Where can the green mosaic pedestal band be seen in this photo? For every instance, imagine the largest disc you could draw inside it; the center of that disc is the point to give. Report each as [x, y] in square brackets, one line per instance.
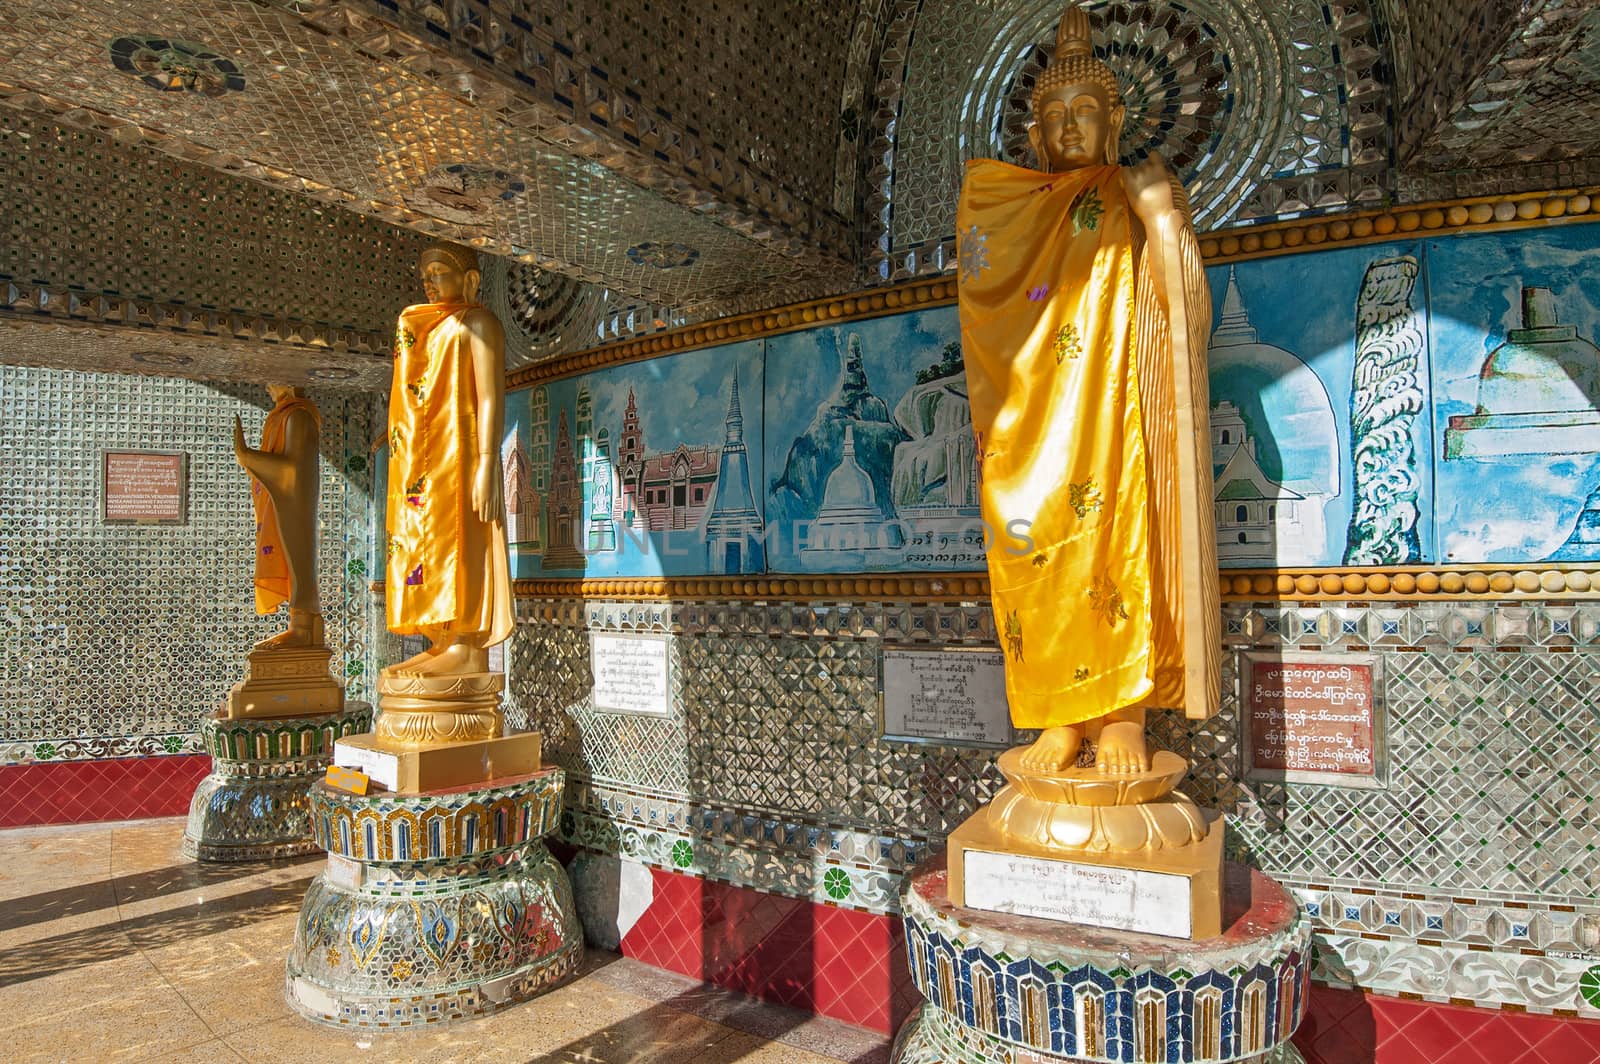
[408, 941]
[385, 827]
[252, 807]
[1002, 989]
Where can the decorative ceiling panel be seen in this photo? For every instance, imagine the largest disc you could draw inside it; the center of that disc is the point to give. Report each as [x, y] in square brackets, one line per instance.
[1535, 100]
[1438, 47]
[84, 212]
[691, 65]
[127, 347]
[254, 88]
[1264, 117]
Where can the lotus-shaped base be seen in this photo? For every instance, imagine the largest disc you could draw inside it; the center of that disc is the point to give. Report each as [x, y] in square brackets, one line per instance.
[1084, 809]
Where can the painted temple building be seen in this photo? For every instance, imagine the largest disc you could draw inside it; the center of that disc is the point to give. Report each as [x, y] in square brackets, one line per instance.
[565, 511]
[524, 505]
[1263, 519]
[733, 528]
[1254, 513]
[850, 518]
[665, 491]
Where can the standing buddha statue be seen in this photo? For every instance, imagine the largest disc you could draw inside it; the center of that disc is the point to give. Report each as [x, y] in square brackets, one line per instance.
[283, 492]
[1084, 317]
[448, 575]
[287, 674]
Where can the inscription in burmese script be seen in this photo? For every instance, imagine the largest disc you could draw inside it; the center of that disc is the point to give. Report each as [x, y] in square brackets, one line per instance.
[1311, 717]
[631, 673]
[956, 697]
[143, 487]
[1123, 899]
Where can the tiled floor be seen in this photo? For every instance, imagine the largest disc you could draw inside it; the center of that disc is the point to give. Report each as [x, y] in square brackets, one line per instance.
[115, 948]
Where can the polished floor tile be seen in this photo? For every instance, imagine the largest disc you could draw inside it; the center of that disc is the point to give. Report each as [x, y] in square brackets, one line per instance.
[113, 947]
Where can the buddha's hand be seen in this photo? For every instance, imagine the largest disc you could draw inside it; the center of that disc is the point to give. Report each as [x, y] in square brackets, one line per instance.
[1149, 185]
[486, 489]
[239, 447]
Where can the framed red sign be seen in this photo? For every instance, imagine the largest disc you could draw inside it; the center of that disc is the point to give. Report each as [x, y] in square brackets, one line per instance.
[144, 487]
[1313, 718]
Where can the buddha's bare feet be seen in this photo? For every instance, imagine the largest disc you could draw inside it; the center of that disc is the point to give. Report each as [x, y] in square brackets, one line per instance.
[1121, 749]
[1056, 749]
[454, 659]
[290, 638]
[409, 666]
[305, 630]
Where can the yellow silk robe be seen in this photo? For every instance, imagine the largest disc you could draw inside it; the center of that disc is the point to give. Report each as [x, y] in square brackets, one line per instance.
[447, 571]
[272, 568]
[1094, 447]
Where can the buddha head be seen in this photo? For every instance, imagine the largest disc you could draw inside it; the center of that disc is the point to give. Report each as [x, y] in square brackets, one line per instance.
[1077, 106]
[280, 392]
[450, 273]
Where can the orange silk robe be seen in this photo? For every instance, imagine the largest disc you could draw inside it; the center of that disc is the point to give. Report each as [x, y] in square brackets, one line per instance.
[272, 568]
[1094, 448]
[447, 571]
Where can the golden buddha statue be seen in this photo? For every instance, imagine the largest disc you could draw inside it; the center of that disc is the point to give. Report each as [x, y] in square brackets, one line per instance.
[1084, 318]
[288, 672]
[448, 575]
[283, 492]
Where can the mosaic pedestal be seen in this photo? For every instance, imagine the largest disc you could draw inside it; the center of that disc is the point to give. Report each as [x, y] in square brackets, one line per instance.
[435, 906]
[253, 805]
[1005, 989]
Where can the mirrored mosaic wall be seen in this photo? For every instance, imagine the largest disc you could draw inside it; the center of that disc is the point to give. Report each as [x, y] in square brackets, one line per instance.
[1470, 875]
[117, 639]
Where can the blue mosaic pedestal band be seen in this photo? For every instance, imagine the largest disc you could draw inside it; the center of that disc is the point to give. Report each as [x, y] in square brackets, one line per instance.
[404, 939]
[252, 806]
[387, 827]
[1004, 989]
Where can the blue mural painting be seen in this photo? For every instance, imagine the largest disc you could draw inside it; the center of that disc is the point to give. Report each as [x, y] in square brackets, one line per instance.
[1319, 433]
[645, 469]
[1514, 319]
[1400, 403]
[870, 461]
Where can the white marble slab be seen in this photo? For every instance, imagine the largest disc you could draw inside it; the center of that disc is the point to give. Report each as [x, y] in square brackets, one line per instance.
[1122, 899]
[380, 767]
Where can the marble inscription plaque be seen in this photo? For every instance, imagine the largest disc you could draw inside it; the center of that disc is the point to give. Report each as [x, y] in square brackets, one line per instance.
[1312, 717]
[955, 697]
[631, 673]
[1122, 899]
[142, 487]
[380, 767]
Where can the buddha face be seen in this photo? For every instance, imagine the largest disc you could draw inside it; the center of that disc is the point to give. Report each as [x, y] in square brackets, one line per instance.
[444, 282]
[1076, 126]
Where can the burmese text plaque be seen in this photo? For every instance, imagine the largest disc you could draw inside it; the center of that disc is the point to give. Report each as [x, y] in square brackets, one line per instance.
[143, 487]
[632, 672]
[1313, 718]
[953, 697]
[1123, 899]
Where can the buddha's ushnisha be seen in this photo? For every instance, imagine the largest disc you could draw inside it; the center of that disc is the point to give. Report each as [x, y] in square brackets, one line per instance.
[1084, 318]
